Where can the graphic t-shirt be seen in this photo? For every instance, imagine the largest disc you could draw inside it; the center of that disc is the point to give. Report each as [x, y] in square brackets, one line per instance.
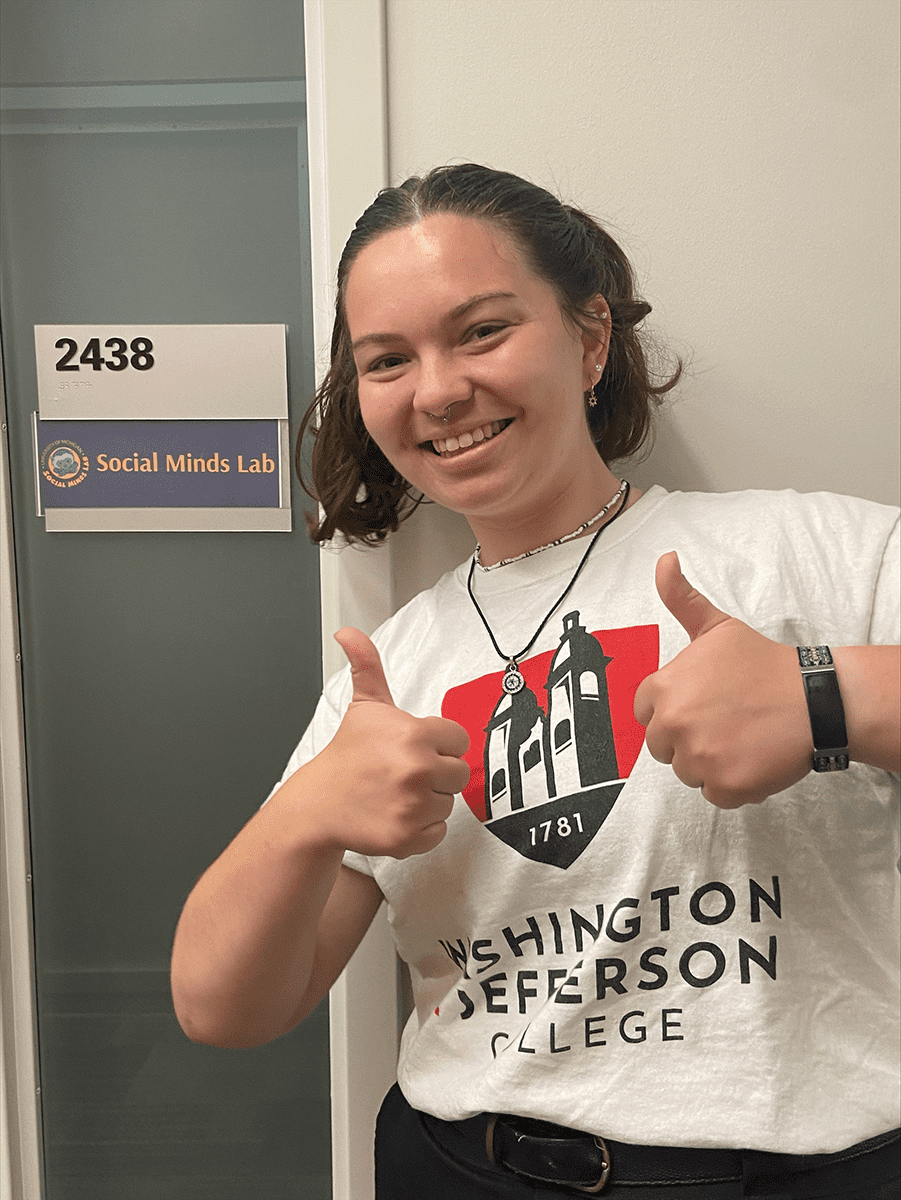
[593, 943]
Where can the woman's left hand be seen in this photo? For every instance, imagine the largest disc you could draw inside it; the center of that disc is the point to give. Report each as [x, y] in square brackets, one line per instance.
[729, 712]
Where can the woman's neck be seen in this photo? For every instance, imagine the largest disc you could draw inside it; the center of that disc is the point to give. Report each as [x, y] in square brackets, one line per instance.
[570, 519]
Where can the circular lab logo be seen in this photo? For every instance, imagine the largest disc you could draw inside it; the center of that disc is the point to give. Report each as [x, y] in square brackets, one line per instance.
[64, 463]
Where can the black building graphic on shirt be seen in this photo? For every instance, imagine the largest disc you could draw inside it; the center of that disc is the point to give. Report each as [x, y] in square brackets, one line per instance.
[530, 758]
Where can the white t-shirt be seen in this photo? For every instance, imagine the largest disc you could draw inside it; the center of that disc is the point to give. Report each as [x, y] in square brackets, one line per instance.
[593, 943]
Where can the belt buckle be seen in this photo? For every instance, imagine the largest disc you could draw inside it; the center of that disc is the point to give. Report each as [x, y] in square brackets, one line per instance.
[605, 1169]
[591, 1189]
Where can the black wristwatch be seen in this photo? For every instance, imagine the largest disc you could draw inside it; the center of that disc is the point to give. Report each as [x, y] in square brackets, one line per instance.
[824, 704]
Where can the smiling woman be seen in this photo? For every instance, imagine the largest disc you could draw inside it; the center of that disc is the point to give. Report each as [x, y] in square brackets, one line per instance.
[498, 267]
[558, 728]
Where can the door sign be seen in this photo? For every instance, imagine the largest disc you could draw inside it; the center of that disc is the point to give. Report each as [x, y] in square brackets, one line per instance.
[161, 372]
[158, 464]
[162, 427]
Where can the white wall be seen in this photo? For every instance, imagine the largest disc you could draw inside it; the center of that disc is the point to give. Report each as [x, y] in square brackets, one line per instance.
[746, 153]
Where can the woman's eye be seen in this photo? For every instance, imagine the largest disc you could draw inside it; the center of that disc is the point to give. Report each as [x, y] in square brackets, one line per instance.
[480, 332]
[386, 363]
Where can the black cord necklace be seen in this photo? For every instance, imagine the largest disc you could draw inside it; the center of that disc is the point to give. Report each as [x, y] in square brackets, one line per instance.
[513, 680]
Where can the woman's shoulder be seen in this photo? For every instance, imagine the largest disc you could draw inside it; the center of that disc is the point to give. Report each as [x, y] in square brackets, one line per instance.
[821, 558]
[781, 499]
[796, 513]
[399, 639]
[425, 608]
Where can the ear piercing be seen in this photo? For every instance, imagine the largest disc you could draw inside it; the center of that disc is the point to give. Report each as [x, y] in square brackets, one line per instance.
[592, 399]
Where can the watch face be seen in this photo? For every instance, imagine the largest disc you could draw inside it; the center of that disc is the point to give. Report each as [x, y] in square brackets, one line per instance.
[825, 708]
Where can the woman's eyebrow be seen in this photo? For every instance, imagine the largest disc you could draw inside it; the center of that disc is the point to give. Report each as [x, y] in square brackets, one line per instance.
[454, 315]
[462, 309]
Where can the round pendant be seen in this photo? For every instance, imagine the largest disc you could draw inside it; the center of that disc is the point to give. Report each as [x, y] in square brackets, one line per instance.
[513, 680]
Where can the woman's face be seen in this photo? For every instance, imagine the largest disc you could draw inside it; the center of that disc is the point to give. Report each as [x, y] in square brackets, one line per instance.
[446, 319]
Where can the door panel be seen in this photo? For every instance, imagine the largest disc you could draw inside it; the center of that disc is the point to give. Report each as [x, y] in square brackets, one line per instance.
[120, 41]
[166, 677]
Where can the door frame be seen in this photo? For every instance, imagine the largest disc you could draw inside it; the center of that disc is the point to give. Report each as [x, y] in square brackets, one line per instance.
[20, 1138]
[347, 131]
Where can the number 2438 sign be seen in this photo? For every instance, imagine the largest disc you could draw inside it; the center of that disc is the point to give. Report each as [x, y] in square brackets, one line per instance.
[120, 354]
[161, 372]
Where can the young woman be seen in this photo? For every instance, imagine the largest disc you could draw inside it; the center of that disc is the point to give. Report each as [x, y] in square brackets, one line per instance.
[639, 850]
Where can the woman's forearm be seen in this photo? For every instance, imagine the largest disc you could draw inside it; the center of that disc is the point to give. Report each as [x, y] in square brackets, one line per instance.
[246, 942]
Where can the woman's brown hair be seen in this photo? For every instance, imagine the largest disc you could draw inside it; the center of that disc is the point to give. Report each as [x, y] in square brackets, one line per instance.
[362, 496]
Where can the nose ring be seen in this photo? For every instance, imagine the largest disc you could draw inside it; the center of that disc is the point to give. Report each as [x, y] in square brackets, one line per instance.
[447, 411]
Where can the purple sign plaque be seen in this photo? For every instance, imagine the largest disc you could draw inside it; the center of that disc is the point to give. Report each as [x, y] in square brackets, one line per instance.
[159, 464]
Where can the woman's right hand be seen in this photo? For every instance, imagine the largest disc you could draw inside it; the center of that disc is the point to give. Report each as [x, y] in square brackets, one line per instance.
[387, 779]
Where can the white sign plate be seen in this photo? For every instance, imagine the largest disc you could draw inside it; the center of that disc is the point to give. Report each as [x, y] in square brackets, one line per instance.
[161, 372]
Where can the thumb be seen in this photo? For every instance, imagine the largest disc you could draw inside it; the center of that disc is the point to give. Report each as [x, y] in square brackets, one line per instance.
[366, 669]
[694, 612]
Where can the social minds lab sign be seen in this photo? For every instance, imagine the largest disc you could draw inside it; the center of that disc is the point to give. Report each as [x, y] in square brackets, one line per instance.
[158, 464]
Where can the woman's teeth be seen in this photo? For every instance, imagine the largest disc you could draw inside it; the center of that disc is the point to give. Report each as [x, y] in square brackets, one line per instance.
[464, 440]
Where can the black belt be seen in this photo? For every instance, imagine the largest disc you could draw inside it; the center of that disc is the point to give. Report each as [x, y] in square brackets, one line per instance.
[552, 1154]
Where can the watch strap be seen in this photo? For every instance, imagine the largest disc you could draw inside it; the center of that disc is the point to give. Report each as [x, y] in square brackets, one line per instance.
[825, 708]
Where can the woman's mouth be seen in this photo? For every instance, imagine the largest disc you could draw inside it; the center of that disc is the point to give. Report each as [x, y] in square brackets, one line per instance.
[472, 437]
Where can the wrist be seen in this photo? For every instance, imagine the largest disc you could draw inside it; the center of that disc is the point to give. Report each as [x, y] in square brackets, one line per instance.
[870, 682]
[304, 810]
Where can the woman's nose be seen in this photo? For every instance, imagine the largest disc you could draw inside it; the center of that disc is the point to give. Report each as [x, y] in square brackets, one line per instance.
[440, 384]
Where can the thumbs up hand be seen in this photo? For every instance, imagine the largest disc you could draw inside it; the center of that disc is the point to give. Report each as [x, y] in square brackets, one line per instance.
[728, 712]
[388, 779]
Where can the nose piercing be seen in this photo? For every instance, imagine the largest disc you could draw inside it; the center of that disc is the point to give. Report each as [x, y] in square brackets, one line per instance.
[447, 411]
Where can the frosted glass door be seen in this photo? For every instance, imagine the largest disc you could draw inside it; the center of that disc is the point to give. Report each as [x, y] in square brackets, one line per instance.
[153, 170]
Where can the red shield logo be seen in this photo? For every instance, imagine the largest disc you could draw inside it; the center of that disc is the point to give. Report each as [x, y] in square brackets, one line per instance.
[549, 761]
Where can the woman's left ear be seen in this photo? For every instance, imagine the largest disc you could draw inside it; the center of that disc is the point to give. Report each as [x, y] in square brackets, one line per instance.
[596, 342]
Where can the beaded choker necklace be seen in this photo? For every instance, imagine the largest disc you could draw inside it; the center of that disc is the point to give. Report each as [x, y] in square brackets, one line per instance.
[568, 537]
[513, 680]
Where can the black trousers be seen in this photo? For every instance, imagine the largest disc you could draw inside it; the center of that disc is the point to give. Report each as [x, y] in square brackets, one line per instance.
[415, 1160]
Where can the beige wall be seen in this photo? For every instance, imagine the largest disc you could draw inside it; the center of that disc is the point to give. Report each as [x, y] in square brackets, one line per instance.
[746, 153]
